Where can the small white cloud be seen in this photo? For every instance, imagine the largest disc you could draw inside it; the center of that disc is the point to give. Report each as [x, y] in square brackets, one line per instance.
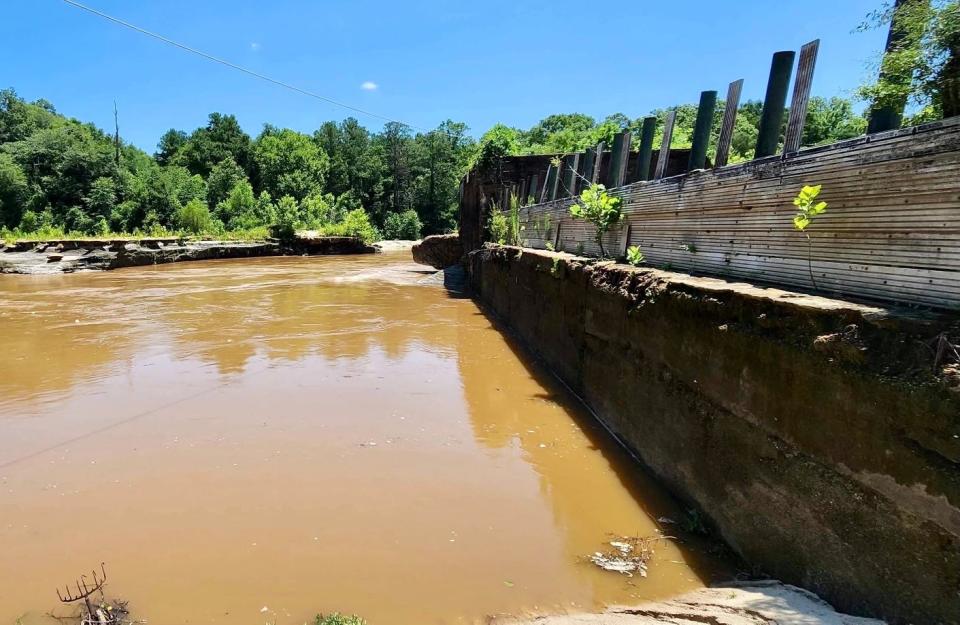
[255, 46]
[369, 86]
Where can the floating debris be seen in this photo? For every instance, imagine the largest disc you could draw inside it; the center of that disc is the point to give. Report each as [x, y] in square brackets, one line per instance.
[627, 555]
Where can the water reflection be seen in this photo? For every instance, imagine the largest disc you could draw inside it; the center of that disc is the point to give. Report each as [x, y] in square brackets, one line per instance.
[306, 434]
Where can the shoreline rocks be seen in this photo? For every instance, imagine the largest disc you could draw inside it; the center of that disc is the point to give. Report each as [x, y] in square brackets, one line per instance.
[67, 256]
[439, 251]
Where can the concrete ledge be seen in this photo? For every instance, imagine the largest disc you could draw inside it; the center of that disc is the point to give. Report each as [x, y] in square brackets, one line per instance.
[754, 603]
[815, 434]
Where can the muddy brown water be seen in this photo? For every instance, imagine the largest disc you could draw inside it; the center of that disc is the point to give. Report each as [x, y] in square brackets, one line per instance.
[302, 435]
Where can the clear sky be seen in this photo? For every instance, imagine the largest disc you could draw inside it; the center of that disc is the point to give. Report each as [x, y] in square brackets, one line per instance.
[417, 61]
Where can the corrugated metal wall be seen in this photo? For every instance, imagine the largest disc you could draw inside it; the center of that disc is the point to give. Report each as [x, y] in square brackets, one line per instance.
[891, 232]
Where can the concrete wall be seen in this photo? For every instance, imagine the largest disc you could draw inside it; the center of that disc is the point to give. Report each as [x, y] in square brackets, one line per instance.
[815, 435]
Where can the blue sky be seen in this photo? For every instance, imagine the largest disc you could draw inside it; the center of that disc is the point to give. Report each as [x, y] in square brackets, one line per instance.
[418, 61]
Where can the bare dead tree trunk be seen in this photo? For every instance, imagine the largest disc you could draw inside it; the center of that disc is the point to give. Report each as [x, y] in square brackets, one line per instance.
[116, 136]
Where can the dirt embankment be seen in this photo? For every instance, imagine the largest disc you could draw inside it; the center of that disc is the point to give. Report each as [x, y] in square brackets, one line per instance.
[820, 438]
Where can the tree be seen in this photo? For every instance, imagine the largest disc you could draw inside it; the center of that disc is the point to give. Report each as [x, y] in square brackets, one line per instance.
[403, 226]
[194, 217]
[223, 178]
[288, 219]
[559, 131]
[495, 144]
[157, 195]
[101, 201]
[61, 162]
[439, 160]
[829, 121]
[238, 210]
[171, 142]
[921, 64]
[364, 162]
[220, 139]
[318, 210]
[396, 143]
[14, 191]
[265, 211]
[19, 120]
[331, 140]
[290, 163]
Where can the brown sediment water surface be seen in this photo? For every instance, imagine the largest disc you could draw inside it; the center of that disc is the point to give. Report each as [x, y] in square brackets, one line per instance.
[302, 435]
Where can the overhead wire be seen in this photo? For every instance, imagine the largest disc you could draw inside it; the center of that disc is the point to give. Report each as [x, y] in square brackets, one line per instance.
[240, 68]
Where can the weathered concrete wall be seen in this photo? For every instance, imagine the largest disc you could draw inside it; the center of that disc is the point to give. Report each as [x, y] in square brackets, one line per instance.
[812, 433]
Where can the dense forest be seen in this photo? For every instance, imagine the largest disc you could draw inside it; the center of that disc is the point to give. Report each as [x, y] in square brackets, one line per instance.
[61, 175]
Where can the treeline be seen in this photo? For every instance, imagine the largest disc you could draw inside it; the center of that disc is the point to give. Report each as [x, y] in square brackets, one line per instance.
[60, 174]
[828, 121]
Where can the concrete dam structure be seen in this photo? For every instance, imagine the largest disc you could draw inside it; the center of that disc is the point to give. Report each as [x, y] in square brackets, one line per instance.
[814, 435]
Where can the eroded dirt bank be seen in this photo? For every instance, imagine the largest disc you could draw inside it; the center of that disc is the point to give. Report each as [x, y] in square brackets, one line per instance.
[820, 438]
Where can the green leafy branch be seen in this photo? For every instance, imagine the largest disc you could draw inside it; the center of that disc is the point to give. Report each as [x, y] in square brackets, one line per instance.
[599, 208]
[808, 207]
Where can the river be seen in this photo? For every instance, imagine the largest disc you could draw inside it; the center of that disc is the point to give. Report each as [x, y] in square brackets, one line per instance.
[261, 440]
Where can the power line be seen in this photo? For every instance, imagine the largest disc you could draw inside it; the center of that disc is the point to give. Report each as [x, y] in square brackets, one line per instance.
[240, 68]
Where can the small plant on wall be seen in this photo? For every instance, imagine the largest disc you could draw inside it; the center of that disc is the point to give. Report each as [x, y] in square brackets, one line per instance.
[600, 209]
[634, 256]
[505, 228]
[808, 207]
[497, 225]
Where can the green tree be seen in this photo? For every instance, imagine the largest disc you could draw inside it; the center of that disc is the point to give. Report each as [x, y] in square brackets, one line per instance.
[220, 139]
[239, 210]
[19, 120]
[61, 162]
[922, 63]
[222, 179]
[288, 219]
[397, 143]
[439, 159]
[194, 217]
[496, 144]
[290, 163]
[30, 222]
[157, 195]
[560, 133]
[829, 121]
[266, 211]
[14, 191]
[403, 226]
[101, 200]
[318, 210]
[355, 223]
[76, 220]
[170, 144]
